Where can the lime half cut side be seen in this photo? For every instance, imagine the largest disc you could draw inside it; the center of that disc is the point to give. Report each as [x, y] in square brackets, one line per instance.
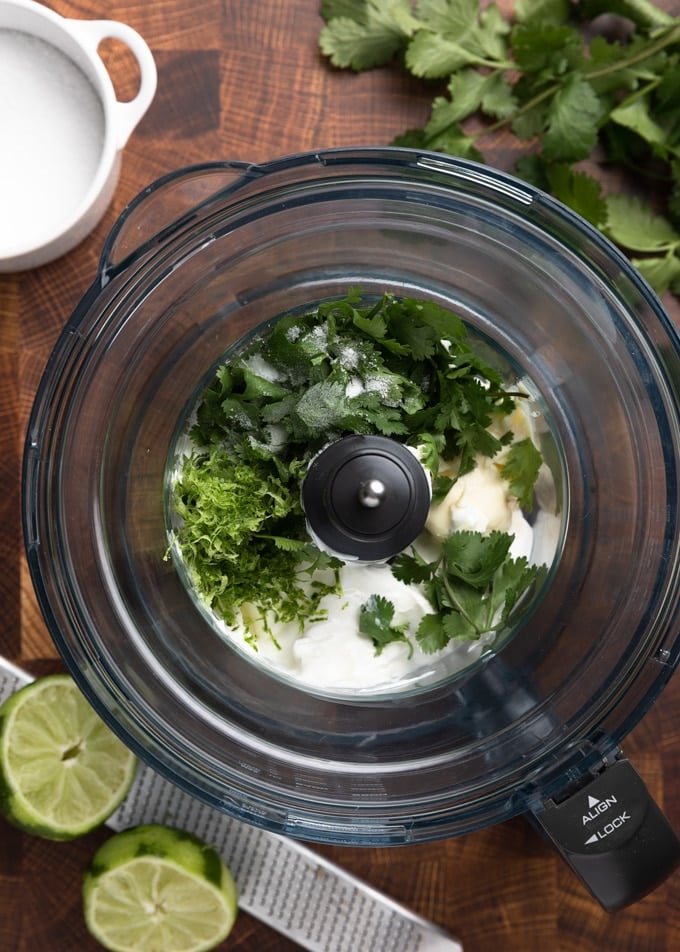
[158, 889]
[62, 770]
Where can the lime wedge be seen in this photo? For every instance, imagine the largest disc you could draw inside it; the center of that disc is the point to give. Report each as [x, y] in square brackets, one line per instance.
[62, 771]
[158, 889]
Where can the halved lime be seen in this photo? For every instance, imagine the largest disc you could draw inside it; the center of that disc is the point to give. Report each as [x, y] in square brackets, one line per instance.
[62, 770]
[158, 889]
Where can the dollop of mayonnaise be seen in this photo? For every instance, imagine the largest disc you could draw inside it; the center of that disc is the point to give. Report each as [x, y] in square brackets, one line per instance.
[479, 501]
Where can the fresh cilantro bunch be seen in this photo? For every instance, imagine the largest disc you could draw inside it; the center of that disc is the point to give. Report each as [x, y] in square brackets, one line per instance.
[567, 94]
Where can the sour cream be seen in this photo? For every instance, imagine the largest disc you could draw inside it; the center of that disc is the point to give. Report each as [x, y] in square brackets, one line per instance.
[332, 653]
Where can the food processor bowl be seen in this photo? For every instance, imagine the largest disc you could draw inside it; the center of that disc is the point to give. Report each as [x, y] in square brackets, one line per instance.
[205, 257]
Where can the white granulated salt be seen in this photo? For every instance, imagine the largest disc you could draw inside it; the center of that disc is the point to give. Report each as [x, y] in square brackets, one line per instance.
[51, 140]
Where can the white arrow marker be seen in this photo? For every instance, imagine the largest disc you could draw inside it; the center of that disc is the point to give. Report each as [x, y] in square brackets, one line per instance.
[591, 839]
[592, 802]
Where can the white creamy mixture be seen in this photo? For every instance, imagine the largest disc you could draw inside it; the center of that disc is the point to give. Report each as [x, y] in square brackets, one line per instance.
[52, 131]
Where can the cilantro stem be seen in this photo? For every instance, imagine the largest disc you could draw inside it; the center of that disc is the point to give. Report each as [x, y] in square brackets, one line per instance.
[668, 37]
[643, 11]
[456, 602]
[526, 107]
[505, 65]
[657, 46]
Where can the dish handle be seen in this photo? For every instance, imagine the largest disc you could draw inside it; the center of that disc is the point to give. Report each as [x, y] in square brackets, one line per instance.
[126, 115]
[613, 835]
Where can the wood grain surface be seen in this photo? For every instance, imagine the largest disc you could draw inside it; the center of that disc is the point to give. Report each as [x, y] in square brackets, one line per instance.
[244, 80]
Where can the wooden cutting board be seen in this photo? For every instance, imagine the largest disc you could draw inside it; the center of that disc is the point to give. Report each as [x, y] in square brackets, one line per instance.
[244, 80]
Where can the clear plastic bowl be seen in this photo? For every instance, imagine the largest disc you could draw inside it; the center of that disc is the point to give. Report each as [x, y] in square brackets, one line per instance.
[202, 258]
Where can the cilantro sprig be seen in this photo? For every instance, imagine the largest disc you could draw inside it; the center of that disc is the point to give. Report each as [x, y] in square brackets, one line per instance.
[566, 94]
[376, 617]
[473, 586]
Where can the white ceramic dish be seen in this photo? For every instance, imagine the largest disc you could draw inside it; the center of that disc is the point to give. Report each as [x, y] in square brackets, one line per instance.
[63, 128]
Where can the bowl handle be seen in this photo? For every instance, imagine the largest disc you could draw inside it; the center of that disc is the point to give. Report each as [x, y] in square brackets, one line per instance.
[166, 207]
[613, 835]
[126, 115]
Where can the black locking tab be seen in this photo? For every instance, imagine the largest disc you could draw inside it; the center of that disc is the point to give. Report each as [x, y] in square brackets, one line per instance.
[613, 835]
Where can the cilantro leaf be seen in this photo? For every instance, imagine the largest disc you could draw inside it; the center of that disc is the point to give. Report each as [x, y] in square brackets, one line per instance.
[674, 198]
[375, 620]
[412, 568]
[375, 325]
[469, 91]
[520, 468]
[441, 486]
[323, 407]
[549, 12]
[635, 114]
[366, 34]
[415, 139]
[448, 16]
[413, 333]
[425, 318]
[454, 34]
[474, 598]
[466, 89]
[498, 98]
[632, 223]
[546, 50]
[661, 272]
[431, 634]
[572, 121]
[430, 447]
[615, 68]
[473, 557]
[667, 92]
[577, 189]
[510, 584]
[354, 9]
[452, 140]
[530, 121]
[459, 628]
[467, 408]
[257, 387]
[288, 545]
[431, 55]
